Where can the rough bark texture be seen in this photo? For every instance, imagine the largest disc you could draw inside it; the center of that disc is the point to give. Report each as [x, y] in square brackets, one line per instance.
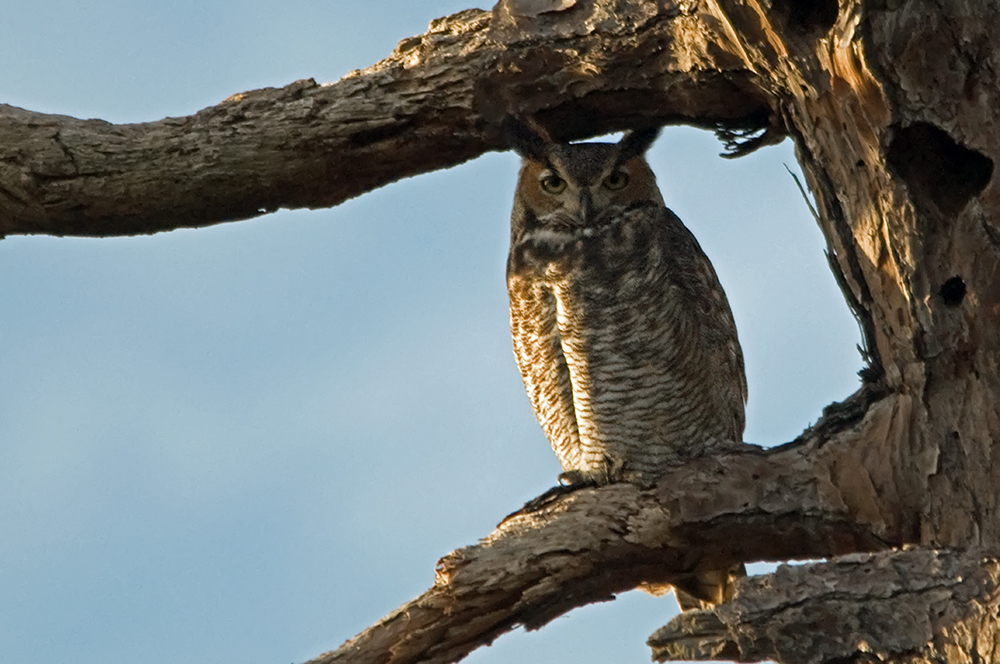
[593, 543]
[432, 104]
[915, 606]
[893, 107]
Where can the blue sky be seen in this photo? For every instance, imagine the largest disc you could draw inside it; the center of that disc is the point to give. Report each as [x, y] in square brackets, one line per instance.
[249, 442]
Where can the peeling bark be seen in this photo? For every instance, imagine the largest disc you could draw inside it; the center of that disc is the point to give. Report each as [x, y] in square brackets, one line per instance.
[894, 109]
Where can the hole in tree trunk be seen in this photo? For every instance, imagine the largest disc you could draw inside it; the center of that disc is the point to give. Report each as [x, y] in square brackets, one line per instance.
[937, 170]
[953, 291]
[808, 15]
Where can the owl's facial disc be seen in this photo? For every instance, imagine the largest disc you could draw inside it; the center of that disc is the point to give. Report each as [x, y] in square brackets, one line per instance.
[565, 203]
[572, 201]
[578, 189]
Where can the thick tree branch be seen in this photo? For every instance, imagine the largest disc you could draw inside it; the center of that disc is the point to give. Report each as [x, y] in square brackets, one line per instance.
[802, 500]
[432, 104]
[899, 152]
[918, 606]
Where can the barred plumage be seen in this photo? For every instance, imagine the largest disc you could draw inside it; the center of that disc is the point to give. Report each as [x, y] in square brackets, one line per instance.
[622, 332]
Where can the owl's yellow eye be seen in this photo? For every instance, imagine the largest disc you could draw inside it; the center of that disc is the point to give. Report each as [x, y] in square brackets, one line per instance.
[617, 180]
[552, 183]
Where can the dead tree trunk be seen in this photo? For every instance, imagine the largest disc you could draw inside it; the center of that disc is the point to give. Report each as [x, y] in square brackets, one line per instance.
[893, 107]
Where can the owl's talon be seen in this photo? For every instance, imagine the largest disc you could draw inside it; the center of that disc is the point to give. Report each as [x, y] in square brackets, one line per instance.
[576, 481]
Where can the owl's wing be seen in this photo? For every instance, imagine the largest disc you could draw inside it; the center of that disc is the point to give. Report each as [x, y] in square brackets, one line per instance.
[540, 358]
[712, 321]
[654, 362]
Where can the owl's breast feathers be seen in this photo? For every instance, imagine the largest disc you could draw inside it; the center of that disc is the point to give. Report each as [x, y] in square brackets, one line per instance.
[626, 343]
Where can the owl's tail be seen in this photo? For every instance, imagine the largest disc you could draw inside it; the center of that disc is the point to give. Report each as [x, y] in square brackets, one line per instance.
[706, 589]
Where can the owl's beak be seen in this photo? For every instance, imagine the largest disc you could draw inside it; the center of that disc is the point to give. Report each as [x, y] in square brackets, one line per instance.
[585, 208]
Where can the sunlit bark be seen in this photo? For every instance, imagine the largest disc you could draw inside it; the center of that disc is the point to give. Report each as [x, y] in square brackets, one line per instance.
[893, 108]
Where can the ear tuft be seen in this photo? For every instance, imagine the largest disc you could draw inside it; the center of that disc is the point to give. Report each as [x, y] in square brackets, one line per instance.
[635, 143]
[528, 140]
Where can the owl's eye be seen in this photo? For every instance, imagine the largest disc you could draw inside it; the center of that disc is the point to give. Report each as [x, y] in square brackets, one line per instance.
[552, 183]
[617, 180]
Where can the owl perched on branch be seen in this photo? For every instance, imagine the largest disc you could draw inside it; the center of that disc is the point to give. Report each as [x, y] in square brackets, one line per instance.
[622, 332]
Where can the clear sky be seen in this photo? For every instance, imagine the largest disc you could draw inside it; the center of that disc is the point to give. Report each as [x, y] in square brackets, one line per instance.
[247, 443]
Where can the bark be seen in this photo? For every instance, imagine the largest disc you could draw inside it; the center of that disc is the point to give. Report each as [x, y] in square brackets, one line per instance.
[916, 606]
[893, 107]
[593, 543]
[434, 103]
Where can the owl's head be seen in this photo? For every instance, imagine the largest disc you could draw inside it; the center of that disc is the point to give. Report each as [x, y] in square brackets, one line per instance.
[568, 186]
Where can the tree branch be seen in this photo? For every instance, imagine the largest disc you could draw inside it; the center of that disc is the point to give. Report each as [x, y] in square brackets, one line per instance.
[432, 104]
[909, 460]
[793, 502]
[909, 606]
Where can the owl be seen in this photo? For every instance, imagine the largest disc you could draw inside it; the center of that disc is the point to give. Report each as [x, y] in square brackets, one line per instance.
[622, 332]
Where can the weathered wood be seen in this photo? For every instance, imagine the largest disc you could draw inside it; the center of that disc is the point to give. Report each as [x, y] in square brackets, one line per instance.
[593, 543]
[434, 103]
[894, 109]
[918, 606]
[895, 120]
[905, 199]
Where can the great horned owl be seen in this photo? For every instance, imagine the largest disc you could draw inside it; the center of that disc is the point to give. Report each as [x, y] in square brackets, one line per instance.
[622, 332]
